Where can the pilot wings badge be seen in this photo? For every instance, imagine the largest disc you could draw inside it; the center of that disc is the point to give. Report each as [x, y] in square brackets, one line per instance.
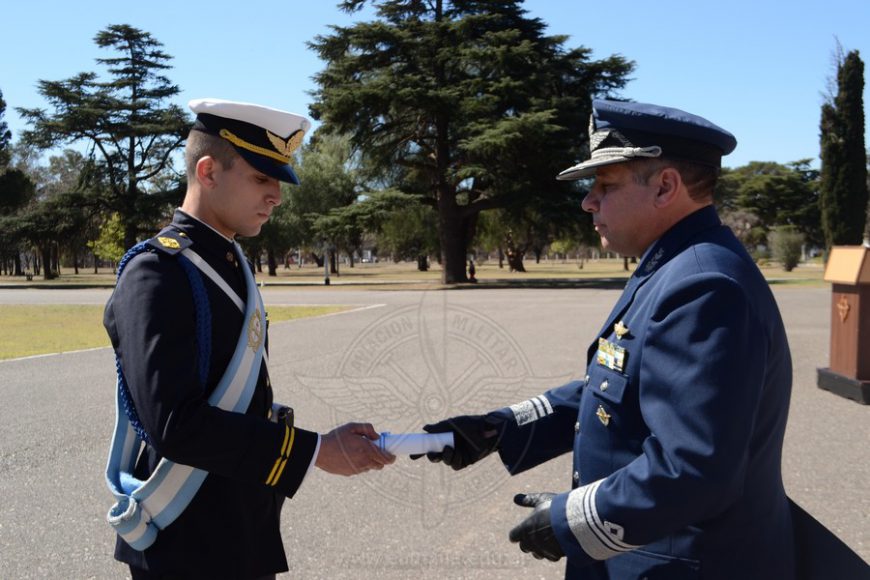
[286, 147]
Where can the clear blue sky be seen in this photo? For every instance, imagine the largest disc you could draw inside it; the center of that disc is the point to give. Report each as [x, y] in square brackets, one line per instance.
[759, 68]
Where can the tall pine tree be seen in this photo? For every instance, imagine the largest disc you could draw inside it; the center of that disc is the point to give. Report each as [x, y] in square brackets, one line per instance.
[469, 97]
[843, 189]
[5, 135]
[126, 119]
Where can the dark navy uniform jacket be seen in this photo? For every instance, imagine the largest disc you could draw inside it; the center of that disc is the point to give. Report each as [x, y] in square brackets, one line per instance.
[231, 528]
[677, 454]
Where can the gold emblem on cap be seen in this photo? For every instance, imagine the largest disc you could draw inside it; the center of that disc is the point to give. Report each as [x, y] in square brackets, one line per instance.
[239, 142]
[168, 243]
[603, 416]
[286, 147]
[620, 329]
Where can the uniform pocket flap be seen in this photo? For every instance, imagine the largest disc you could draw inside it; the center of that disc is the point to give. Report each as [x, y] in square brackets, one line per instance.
[608, 385]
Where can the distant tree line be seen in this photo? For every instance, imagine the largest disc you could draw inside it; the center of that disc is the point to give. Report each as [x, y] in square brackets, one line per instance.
[443, 126]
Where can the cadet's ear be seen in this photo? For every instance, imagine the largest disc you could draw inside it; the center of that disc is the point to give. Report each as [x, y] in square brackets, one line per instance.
[669, 182]
[205, 171]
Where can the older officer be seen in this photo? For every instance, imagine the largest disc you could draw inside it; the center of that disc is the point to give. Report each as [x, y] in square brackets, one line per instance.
[188, 327]
[677, 429]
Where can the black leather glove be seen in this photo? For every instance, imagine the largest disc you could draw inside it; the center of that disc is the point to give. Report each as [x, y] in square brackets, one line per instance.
[474, 437]
[535, 533]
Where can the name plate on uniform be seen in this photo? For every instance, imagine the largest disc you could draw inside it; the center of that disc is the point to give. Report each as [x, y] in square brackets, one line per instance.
[610, 355]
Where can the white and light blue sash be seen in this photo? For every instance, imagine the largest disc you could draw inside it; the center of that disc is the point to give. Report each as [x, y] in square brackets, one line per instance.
[144, 508]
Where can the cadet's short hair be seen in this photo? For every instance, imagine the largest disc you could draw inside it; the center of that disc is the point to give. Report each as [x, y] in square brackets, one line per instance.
[699, 179]
[201, 144]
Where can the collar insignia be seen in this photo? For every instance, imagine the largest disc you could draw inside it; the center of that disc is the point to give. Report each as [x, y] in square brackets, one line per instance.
[654, 260]
[168, 243]
[287, 146]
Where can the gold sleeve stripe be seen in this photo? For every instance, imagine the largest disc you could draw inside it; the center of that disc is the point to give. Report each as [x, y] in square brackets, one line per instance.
[280, 471]
[288, 437]
[239, 142]
[281, 462]
[289, 447]
[272, 473]
[278, 461]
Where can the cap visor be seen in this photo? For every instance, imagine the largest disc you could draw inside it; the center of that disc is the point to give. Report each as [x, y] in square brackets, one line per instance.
[587, 168]
[269, 167]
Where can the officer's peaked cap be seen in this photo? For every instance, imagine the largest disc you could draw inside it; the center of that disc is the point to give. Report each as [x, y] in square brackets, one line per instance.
[620, 132]
[264, 137]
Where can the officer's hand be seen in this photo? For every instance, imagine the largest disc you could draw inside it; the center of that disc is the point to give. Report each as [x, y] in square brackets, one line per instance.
[474, 437]
[535, 533]
[348, 450]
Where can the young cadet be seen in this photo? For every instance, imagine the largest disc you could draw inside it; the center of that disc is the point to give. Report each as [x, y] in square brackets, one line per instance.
[677, 429]
[186, 320]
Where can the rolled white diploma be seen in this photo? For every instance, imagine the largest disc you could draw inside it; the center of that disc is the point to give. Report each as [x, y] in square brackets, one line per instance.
[414, 443]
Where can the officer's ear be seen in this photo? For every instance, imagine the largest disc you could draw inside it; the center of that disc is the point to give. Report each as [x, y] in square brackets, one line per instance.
[205, 171]
[670, 182]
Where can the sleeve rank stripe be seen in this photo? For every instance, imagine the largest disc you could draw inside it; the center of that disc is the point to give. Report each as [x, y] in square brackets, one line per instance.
[287, 437]
[547, 404]
[591, 533]
[539, 408]
[281, 462]
[280, 471]
[607, 530]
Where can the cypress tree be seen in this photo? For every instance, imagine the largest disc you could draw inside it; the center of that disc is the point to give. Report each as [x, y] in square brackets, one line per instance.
[5, 135]
[844, 194]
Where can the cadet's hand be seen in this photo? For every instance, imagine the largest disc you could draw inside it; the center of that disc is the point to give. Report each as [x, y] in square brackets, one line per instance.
[535, 533]
[474, 436]
[348, 450]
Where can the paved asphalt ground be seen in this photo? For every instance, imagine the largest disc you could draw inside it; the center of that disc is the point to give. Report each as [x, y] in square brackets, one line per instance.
[408, 358]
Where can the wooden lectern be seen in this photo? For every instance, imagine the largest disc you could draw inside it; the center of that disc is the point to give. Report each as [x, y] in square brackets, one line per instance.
[849, 374]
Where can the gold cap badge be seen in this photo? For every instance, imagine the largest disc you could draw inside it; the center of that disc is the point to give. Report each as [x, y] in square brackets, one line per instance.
[288, 146]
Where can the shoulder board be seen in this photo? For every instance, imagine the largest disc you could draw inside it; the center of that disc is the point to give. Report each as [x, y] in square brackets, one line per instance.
[170, 242]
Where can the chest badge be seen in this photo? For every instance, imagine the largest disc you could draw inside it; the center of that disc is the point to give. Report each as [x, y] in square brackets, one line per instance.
[620, 329]
[255, 331]
[603, 416]
[610, 355]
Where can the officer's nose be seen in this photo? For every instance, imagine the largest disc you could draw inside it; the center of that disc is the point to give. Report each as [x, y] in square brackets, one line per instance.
[590, 202]
[274, 195]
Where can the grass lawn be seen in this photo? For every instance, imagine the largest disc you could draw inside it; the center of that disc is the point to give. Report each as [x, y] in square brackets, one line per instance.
[27, 330]
[42, 329]
[560, 271]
